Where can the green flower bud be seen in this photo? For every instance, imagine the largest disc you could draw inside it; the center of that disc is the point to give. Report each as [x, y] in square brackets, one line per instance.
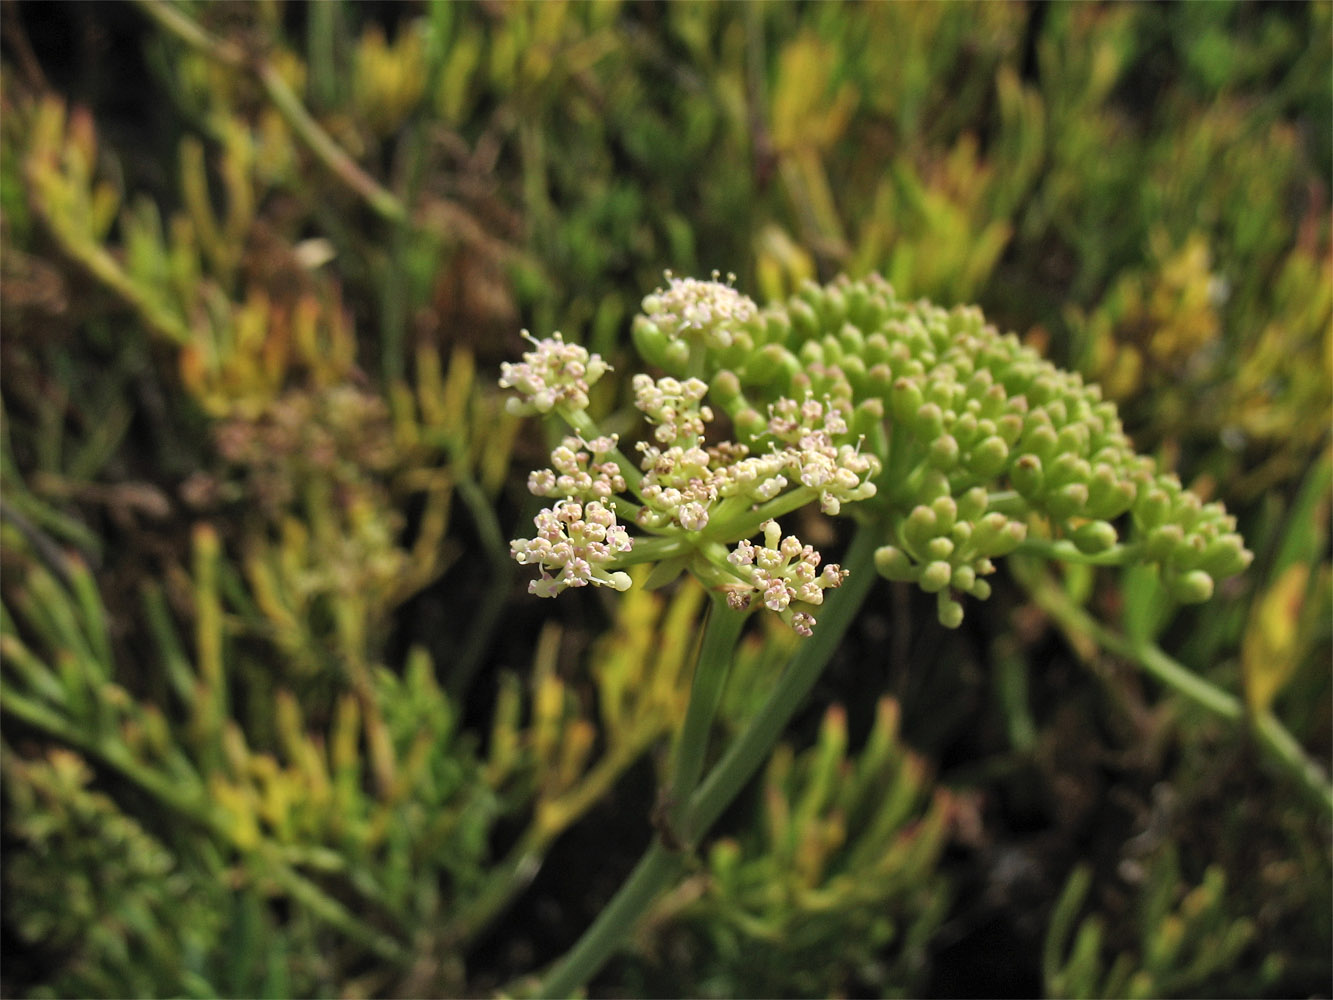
[934, 484]
[1042, 441]
[868, 417]
[946, 513]
[944, 392]
[964, 578]
[879, 381]
[855, 369]
[1188, 552]
[1094, 537]
[995, 403]
[944, 452]
[964, 428]
[1109, 496]
[894, 564]
[1161, 542]
[996, 535]
[939, 548]
[972, 504]
[832, 347]
[865, 308]
[1225, 556]
[980, 590]
[1042, 389]
[1010, 427]
[1067, 468]
[1193, 587]
[804, 322]
[750, 423]
[906, 400]
[1026, 476]
[739, 351]
[928, 422]
[950, 612]
[989, 457]
[1073, 439]
[1152, 508]
[852, 340]
[811, 353]
[1067, 501]
[676, 357]
[981, 382]
[936, 576]
[777, 326]
[726, 389]
[876, 349]
[919, 529]
[831, 305]
[649, 340]
[961, 534]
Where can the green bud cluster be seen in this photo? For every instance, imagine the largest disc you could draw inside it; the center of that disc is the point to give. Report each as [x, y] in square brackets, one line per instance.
[977, 436]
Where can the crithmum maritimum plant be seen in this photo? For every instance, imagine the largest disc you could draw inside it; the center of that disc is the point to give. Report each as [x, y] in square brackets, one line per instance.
[949, 444]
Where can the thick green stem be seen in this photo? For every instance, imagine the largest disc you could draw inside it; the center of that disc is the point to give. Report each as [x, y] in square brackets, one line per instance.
[1280, 745]
[744, 757]
[710, 677]
[660, 866]
[657, 869]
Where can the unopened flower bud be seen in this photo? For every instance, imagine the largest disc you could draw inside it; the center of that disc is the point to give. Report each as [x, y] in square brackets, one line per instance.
[894, 564]
[1193, 587]
[989, 457]
[1027, 477]
[949, 611]
[936, 576]
[1226, 556]
[1094, 537]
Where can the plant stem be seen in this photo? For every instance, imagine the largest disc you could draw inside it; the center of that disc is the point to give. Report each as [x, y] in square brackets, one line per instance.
[659, 866]
[710, 676]
[173, 20]
[1066, 551]
[1277, 742]
[657, 869]
[744, 757]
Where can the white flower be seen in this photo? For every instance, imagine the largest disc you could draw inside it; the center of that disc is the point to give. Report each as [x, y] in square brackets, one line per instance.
[554, 374]
[782, 572]
[580, 469]
[574, 542]
[839, 471]
[705, 310]
[674, 406]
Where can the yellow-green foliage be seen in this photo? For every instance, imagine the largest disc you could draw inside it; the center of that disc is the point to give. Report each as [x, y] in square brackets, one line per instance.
[838, 884]
[1186, 936]
[274, 722]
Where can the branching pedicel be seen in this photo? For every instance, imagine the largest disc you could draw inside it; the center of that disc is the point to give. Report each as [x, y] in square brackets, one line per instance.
[956, 440]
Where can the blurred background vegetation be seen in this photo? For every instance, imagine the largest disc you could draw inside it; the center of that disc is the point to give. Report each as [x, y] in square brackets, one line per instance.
[279, 719]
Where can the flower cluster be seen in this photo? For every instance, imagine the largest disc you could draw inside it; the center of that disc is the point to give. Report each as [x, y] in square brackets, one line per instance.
[554, 374]
[574, 544]
[841, 473]
[949, 545]
[582, 469]
[962, 443]
[781, 572]
[967, 408]
[708, 311]
[675, 407]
